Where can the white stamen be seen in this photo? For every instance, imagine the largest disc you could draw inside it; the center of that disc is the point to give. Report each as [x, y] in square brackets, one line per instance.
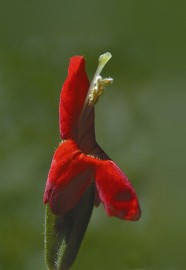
[98, 89]
[96, 86]
[103, 59]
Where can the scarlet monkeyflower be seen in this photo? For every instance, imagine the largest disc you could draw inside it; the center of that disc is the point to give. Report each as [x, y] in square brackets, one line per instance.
[79, 161]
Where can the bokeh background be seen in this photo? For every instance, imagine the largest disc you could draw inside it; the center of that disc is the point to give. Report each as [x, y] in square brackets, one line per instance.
[140, 122]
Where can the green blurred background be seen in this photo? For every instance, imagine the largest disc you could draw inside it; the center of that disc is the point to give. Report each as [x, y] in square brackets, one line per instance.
[140, 122]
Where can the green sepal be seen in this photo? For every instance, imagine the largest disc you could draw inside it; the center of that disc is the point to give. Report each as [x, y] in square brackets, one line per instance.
[64, 234]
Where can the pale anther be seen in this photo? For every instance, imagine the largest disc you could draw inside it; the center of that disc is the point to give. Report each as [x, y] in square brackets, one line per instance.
[98, 88]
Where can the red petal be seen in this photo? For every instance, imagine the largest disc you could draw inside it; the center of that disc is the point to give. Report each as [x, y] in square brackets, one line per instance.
[72, 97]
[115, 191]
[69, 176]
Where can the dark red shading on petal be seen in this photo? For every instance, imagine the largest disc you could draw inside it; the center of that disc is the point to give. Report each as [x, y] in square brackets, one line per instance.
[73, 94]
[86, 132]
[69, 176]
[86, 136]
[115, 191]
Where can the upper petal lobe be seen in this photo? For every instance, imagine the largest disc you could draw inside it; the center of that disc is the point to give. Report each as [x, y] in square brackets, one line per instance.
[73, 94]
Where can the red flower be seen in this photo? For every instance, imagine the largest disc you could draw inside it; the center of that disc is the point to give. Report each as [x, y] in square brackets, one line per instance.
[79, 160]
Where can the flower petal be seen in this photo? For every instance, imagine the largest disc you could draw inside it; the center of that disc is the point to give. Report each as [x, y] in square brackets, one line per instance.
[115, 191]
[68, 178]
[72, 98]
